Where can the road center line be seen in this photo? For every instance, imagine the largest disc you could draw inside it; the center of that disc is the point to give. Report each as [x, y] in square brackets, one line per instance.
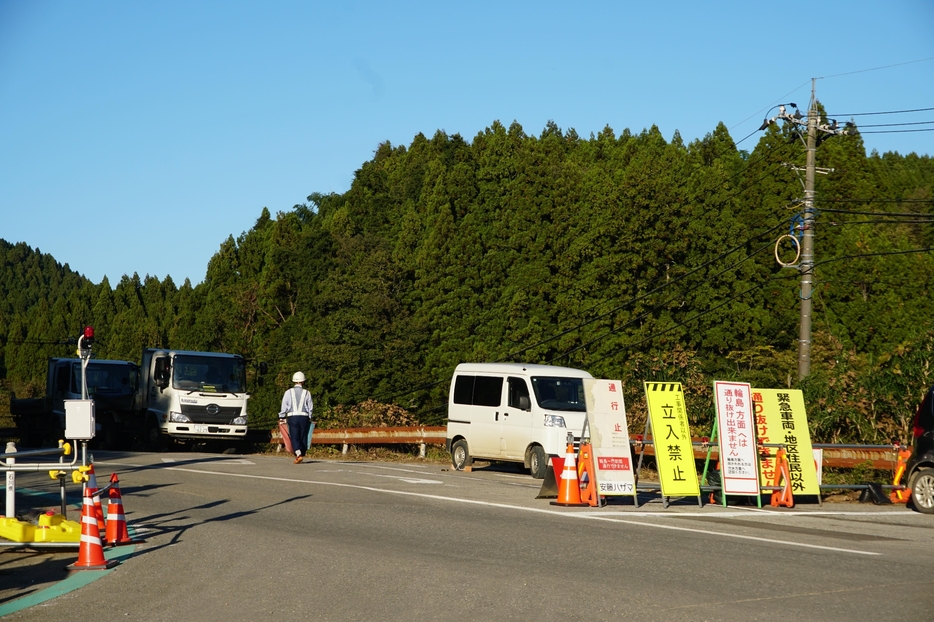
[612, 519]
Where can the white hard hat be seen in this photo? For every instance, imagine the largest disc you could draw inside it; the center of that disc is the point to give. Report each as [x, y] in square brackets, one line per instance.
[298, 377]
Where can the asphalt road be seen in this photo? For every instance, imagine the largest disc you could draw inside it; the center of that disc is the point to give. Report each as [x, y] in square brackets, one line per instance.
[246, 537]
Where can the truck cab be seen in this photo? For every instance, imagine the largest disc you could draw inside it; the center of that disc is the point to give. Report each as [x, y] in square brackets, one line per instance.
[111, 384]
[193, 396]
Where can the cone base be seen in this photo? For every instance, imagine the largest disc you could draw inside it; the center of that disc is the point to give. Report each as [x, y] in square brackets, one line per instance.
[571, 505]
[110, 563]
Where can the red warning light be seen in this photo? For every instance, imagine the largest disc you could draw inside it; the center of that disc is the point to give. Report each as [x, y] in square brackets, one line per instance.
[89, 332]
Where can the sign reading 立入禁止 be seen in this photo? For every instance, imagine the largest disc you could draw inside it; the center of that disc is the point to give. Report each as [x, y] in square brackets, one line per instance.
[739, 468]
[781, 418]
[609, 437]
[671, 437]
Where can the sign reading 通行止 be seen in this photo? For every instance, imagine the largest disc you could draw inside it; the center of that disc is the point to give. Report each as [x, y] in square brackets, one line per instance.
[781, 418]
[739, 470]
[671, 436]
[609, 437]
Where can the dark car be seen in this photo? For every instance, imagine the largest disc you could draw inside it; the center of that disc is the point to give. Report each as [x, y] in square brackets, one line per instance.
[919, 471]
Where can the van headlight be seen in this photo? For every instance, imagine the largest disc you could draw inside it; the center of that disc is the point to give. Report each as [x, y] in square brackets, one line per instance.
[175, 417]
[239, 421]
[554, 421]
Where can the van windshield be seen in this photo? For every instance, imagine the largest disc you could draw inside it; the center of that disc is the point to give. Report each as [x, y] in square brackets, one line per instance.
[556, 393]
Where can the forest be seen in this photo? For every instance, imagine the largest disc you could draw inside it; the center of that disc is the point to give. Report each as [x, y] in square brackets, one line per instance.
[627, 255]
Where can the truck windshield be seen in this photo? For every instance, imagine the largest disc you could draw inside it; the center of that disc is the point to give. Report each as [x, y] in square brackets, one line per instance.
[105, 378]
[556, 393]
[212, 374]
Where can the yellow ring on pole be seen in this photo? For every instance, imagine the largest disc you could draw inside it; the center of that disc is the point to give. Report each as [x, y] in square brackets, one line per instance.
[797, 251]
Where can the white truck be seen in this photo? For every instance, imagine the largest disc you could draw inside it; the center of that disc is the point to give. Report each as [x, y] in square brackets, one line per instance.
[193, 396]
[514, 412]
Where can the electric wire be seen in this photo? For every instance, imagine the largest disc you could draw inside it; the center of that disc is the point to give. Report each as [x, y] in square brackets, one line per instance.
[884, 214]
[867, 114]
[758, 286]
[662, 304]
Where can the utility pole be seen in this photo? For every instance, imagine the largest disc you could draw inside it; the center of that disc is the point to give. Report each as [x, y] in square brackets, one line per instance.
[806, 265]
[806, 261]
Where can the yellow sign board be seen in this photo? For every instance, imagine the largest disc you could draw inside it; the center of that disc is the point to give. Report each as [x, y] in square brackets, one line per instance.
[781, 418]
[671, 436]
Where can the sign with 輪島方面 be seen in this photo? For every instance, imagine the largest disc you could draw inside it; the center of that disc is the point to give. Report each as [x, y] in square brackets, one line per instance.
[671, 436]
[781, 418]
[609, 437]
[736, 432]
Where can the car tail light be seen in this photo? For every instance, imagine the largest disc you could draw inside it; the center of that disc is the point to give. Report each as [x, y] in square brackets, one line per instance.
[916, 429]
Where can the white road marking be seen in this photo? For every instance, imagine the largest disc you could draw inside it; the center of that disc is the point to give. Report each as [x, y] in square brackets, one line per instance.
[578, 515]
[410, 480]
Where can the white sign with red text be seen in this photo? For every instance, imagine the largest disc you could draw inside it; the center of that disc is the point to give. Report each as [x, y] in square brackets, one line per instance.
[736, 427]
[606, 416]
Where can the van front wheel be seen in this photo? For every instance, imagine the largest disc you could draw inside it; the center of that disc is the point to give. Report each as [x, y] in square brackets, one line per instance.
[538, 463]
[460, 456]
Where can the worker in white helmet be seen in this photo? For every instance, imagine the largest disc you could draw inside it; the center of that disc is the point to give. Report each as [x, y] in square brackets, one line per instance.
[296, 410]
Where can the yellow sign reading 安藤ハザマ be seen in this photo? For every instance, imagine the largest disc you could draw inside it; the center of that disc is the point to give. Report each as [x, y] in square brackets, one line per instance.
[671, 436]
[781, 418]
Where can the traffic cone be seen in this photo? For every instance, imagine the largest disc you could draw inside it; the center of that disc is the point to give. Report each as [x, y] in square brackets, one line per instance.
[588, 474]
[90, 550]
[569, 490]
[117, 533]
[96, 496]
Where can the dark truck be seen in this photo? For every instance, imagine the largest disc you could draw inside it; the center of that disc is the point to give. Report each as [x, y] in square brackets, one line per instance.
[112, 385]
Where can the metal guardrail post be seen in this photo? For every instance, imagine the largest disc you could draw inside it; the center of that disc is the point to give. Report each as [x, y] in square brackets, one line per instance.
[10, 481]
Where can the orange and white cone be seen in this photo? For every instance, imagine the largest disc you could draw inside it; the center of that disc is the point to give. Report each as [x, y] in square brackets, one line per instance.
[117, 533]
[569, 489]
[90, 550]
[96, 496]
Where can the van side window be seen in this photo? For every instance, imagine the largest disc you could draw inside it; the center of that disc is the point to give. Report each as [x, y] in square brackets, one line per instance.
[478, 390]
[463, 389]
[518, 389]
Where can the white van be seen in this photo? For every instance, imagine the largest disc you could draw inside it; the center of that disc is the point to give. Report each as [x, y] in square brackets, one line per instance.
[514, 413]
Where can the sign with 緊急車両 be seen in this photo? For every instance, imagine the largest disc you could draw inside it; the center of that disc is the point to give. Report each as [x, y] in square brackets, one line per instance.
[736, 433]
[609, 437]
[781, 418]
[671, 437]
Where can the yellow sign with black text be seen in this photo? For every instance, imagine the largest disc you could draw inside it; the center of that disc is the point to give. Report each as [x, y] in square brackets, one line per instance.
[781, 418]
[674, 454]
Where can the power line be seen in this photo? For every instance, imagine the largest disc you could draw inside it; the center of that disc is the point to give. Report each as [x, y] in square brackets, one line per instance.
[870, 200]
[697, 316]
[880, 222]
[866, 114]
[849, 73]
[896, 124]
[663, 303]
[930, 129]
[861, 255]
[886, 214]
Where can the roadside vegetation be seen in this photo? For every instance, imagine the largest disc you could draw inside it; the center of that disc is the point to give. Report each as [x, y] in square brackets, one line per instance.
[625, 254]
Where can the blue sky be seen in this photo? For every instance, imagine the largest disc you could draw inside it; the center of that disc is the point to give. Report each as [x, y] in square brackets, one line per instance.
[135, 137]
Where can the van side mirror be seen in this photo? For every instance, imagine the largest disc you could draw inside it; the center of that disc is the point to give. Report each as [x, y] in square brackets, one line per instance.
[260, 381]
[263, 368]
[524, 403]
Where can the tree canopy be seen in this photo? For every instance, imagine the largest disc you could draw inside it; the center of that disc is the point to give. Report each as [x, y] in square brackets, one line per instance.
[627, 255]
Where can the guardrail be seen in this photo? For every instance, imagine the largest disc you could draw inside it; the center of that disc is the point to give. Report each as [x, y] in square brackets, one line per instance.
[835, 454]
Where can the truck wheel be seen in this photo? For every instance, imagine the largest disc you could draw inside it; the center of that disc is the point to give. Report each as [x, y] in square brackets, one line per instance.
[460, 456]
[922, 491]
[153, 437]
[538, 462]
